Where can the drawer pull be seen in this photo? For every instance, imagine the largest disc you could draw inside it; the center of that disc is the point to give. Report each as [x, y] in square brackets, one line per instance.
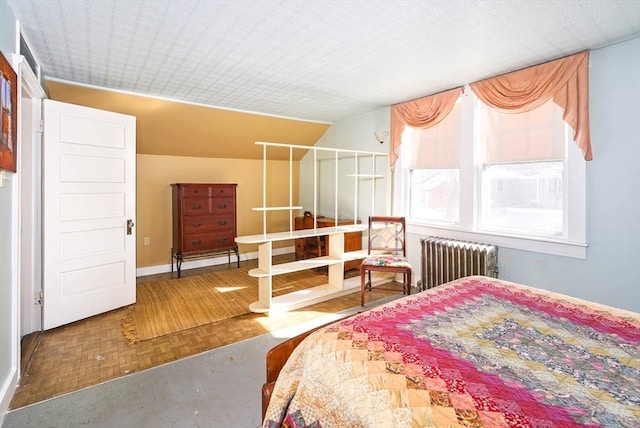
[198, 242]
[196, 224]
[222, 239]
[195, 190]
[196, 206]
[222, 205]
[222, 222]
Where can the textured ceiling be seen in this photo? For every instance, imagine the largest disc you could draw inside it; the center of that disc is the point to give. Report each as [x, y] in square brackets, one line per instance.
[314, 60]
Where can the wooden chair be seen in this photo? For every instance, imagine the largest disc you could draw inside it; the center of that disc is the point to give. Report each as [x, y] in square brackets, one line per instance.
[387, 252]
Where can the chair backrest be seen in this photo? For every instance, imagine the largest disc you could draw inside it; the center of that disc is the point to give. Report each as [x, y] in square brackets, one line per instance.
[387, 234]
[307, 220]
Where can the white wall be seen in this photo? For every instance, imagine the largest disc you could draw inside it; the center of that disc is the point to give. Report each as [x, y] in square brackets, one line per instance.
[8, 250]
[355, 133]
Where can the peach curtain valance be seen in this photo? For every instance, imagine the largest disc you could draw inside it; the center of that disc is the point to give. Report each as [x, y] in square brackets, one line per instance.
[564, 80]
[421, 113]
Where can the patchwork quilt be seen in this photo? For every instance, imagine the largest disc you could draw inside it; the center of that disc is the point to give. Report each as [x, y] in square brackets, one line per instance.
[476, 352]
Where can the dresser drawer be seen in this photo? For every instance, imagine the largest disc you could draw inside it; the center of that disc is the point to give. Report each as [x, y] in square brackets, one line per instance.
[208, 241]
[196, 206]
[223, 206]
[196, 190]
[202, 206]
[200, 224]
[207, 190]
[222, 191]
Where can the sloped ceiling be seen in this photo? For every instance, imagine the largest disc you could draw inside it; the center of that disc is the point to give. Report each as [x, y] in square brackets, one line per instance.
[179, 129]
[316, 60]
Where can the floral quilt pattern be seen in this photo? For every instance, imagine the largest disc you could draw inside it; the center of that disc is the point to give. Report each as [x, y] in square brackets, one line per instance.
[477, 352]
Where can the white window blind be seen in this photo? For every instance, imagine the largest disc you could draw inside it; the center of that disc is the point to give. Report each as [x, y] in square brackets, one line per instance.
[437, 147]
[523, 137]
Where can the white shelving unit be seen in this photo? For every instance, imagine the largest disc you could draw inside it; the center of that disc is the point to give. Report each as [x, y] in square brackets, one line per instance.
[266, 270]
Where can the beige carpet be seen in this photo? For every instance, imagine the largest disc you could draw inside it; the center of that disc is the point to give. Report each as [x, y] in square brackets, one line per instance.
[168, 306]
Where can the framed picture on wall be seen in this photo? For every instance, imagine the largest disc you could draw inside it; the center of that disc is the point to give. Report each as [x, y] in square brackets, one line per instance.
[9, 122]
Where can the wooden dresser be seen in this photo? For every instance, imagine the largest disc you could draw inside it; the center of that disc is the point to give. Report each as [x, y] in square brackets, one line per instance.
[319, 245]
[204, 221]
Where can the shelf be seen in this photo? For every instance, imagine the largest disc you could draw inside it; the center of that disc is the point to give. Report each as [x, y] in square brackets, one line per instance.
[372, 176]
[266, 270]
[276, 208]
[336, 258]
[302, 298]
[310, 296]
[297, 266]
[302, 233]
[354, 255]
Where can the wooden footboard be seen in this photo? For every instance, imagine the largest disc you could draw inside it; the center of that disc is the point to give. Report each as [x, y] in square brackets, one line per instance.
[275, 360]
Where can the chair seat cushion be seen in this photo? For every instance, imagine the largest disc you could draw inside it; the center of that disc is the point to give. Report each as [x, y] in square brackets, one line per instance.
[386, 260]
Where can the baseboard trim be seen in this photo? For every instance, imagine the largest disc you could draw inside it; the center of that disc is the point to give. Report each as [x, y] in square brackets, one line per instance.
[213, 261]
[6, 393]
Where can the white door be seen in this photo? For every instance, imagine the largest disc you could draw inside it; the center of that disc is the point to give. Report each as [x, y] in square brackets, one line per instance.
[89, 175]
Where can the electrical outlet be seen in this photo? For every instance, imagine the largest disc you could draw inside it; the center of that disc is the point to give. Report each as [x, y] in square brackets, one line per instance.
[146, 240]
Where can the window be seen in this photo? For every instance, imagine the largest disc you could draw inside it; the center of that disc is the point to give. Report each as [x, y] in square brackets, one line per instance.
[523, 198]
[517, 180]
[522, 160]
[435, 170]
[434, 194]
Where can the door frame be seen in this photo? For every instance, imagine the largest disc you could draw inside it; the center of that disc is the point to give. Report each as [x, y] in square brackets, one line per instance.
[30, 201]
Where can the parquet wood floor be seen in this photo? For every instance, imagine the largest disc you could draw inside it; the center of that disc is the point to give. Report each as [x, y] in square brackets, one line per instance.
[94, 350]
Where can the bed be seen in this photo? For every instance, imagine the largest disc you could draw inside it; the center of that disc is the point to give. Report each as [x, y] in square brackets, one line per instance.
[475, 352]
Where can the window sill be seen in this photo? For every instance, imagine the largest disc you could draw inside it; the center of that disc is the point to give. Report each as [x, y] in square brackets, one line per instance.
[538, 245]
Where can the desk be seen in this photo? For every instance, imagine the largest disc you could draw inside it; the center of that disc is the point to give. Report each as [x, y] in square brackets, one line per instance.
[318, 246]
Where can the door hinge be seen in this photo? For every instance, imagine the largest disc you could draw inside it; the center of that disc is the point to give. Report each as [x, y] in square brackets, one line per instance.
[41, 126]
[37, 299]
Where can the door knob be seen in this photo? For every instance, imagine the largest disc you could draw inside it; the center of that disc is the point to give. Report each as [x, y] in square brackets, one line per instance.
[129, 226]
